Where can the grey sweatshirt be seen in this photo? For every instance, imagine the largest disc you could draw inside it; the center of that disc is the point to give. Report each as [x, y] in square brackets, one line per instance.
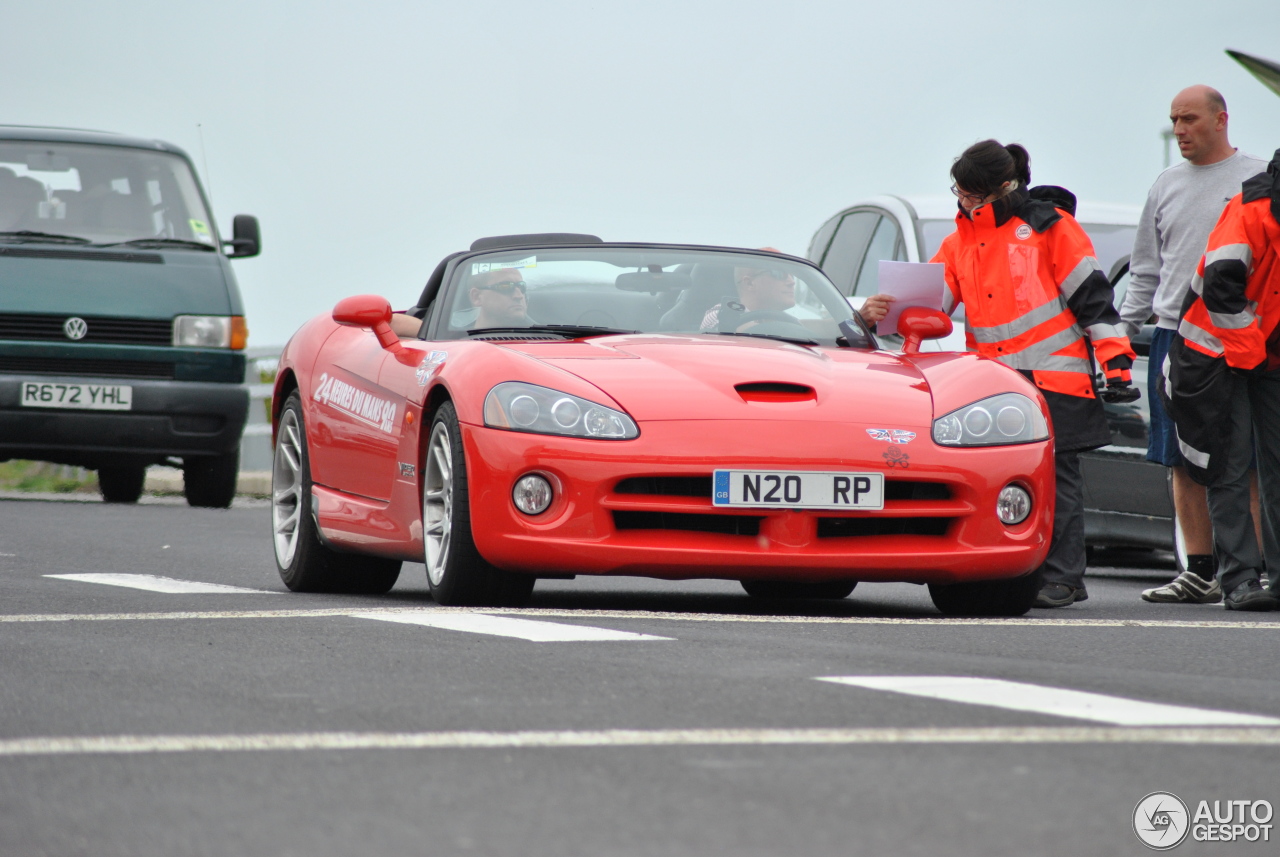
[1182, 208]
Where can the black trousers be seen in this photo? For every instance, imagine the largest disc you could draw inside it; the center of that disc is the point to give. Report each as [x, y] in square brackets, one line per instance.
[1066, 560]
[1252, 420]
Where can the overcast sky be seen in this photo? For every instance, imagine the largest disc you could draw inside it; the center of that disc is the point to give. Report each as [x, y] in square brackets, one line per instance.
[372, 138]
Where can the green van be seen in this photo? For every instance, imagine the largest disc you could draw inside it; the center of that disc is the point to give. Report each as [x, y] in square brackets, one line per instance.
[122, 332]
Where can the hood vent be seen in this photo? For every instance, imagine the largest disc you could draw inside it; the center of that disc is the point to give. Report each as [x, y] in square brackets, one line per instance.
[775, 391]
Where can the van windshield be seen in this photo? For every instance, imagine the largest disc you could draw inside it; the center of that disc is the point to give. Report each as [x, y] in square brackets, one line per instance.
[103, 194]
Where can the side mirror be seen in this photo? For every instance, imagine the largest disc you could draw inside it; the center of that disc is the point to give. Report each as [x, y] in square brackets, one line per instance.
[369, 311]
[917, 323]
[247, 238]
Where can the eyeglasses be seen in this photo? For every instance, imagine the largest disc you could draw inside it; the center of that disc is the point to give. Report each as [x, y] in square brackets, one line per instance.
[964, 194]
[505, 288]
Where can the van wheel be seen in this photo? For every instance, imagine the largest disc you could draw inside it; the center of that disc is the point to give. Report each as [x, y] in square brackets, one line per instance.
[456, 572]
[304, 563]
[987, 597]
[209, 481]
[834, 589]
[121, 483]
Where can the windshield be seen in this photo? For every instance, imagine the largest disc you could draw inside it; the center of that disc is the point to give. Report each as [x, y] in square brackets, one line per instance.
[103, 194]
[645, 290]
[1110, 241]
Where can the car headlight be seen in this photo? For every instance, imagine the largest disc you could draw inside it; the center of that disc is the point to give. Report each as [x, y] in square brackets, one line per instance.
[1002, 419]
[210, 331]
[527, 407]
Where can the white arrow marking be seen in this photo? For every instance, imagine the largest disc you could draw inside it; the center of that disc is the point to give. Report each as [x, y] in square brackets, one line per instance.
[151, 583]
[503, 626]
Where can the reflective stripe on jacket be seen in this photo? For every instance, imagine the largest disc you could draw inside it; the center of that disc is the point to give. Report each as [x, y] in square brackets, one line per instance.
[1032, 288]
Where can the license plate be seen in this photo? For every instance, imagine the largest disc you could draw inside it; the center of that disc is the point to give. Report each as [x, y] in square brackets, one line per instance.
[797, 489]
[81, 397]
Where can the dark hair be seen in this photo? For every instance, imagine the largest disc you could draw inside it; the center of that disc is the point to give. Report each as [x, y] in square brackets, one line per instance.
[985, 166]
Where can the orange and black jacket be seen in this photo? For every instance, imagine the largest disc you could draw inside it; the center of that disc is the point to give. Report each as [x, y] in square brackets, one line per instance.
[1035, 297]
[1230, 320]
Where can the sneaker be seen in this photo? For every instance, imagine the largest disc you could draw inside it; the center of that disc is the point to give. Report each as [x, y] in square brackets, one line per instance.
[1186, 588]
[1059, 595]
[1251, 596]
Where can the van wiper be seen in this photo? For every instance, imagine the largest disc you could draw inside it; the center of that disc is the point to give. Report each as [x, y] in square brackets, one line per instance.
[162, 242]
[28, 235]
[796, 340]
[566, 329]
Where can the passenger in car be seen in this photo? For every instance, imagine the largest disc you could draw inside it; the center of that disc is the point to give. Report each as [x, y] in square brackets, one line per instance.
[764, 290]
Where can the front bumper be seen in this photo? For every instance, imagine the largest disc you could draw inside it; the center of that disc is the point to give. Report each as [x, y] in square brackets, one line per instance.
[636, 508]
[167, 418]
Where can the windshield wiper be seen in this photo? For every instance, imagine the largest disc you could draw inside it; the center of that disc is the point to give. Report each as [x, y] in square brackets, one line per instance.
[28, 235]
[797, 340]
[162, 242]
[566, 329]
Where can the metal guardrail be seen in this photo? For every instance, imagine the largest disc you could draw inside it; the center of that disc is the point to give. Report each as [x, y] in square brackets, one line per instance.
[260, 374]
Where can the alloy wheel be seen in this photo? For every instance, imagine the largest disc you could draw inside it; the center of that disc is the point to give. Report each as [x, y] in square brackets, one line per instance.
[437, 502]
[286, 487]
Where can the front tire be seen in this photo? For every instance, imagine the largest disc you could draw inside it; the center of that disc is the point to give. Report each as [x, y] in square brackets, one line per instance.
[210, 481]
[304, 563]
[830, 589]
[456, 572]
[987, 597]
[121, 483]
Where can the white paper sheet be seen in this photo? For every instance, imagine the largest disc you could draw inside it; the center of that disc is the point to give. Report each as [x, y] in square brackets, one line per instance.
[913, 284]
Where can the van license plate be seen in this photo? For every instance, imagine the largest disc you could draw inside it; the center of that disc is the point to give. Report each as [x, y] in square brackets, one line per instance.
[797, 489]
[81, 397]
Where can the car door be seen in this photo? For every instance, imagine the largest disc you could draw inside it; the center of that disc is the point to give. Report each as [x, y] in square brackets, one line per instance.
[1118, 479]
[354, 421]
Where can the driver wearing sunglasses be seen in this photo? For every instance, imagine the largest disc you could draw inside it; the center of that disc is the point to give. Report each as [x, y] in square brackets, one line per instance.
[500, 298]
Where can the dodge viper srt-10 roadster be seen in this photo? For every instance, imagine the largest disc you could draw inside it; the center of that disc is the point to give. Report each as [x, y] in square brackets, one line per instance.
[572, 407]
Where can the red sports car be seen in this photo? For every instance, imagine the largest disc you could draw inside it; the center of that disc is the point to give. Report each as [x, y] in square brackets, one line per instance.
[569, 406]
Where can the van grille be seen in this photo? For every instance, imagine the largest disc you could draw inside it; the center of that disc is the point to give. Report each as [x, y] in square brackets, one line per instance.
[89, 368]
[102, 331]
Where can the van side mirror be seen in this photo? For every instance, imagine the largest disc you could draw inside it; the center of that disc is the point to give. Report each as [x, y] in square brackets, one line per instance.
[246, 238]
[917, 323]
[371, 311]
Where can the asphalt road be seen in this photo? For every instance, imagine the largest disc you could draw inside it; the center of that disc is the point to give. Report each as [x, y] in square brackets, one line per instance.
[261, 722]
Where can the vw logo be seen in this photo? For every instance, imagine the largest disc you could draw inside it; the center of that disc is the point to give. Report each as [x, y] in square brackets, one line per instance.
[75, 327]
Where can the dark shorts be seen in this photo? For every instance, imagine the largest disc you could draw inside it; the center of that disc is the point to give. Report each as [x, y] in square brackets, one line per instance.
[1162, 442]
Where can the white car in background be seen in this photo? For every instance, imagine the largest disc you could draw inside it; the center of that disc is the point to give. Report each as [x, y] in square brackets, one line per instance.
[1127, 498]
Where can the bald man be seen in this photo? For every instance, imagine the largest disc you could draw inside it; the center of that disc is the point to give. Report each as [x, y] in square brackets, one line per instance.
[1181, 210]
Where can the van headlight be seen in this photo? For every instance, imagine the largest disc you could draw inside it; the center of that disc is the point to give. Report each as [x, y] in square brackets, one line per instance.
[1003, 419]
[527, 407]
[210, 331]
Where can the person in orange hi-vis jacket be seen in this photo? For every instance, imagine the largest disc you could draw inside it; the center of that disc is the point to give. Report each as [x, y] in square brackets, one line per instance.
[1222, 384]
[1035, 299]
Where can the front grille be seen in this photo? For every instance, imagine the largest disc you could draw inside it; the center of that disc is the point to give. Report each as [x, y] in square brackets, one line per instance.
[106, 331]
[89, 368]
[838, 528]
[901, 489]
[666, 486]
[733, 525]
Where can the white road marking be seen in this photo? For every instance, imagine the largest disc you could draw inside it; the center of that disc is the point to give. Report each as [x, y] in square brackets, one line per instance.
[923, 621]
[151, 583]
[504, 626]
[1055, 701]
[129, 744]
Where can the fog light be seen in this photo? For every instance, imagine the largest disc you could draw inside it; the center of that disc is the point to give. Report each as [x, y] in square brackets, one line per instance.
[532, 494]
[1014, 505]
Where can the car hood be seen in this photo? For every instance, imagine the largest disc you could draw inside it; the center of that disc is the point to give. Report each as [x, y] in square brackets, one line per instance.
[91, 281]
[670, 377]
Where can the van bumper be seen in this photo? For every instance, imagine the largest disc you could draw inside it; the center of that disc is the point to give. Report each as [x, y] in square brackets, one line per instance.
[166, 419]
